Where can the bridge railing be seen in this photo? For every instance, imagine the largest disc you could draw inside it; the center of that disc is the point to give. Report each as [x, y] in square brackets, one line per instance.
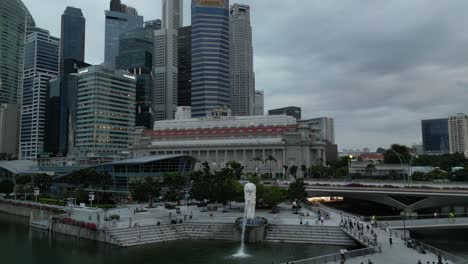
[443, 254]
[415, 217]
[422, 222]
[336, 257]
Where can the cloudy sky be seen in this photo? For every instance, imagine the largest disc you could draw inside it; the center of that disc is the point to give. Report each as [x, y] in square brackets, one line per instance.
[377, 67]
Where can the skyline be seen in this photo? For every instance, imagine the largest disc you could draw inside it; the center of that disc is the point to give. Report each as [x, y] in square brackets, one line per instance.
[357, 71]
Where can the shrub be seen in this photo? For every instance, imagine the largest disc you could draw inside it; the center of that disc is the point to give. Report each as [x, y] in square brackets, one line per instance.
[115, 217]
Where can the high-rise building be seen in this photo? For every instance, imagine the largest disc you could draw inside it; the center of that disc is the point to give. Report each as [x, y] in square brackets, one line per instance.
[293, 111]
[14, 19]
[41, 63]
[165, 61]
[184, 95]
[118, 22]
[52, 118]
[8, 132]
[136, 56]
[435, 136]
[259, 102]
[67, 85]
[105, 112]
[327, 128]
[72, 40]
[458, 133]
[241, 53]
[210, 56]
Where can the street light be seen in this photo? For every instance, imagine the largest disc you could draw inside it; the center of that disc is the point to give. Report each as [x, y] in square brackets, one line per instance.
[410, 168]
[91, 198]
[349, 165]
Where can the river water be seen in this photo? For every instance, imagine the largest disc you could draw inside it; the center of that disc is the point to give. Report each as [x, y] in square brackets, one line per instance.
[19, 244]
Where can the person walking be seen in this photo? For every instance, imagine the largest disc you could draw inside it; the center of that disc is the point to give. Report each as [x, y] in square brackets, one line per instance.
[390, 240]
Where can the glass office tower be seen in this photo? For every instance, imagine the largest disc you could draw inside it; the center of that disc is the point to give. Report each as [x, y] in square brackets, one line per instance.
[210, 56]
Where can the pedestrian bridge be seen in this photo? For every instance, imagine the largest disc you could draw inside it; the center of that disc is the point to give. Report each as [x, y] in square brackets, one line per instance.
[425, 223]
[404, 198]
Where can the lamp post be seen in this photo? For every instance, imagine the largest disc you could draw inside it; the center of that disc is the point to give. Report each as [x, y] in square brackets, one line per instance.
[410, 169]
[404, 227]
[349, 165]
[91, 198]
[36, 193]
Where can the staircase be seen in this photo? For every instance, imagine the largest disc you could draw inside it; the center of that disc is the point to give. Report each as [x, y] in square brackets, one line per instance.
[328, 235]
[128, 237]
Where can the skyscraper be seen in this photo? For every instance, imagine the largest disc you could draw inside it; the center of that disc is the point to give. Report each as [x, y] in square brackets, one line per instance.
[435, 136]
[136, 56]
[41, 63]
[118, 22]
[72, 42]
[241, 53]
[165, 63]
[105, 112]
[8, 117]
[458, 133]
[210, 56]
[259, 103]
[14, 19]
[184, 95]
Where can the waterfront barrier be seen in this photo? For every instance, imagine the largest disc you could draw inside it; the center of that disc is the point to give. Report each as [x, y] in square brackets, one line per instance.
[335, 258]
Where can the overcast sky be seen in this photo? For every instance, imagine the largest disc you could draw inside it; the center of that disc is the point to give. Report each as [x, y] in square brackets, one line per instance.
[378, 67]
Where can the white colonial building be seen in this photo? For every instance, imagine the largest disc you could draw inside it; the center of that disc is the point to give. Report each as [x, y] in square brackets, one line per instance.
[221, 138]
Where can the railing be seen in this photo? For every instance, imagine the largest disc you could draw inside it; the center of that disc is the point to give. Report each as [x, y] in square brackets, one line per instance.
[336, 257]
[422, 216]
[411, 223]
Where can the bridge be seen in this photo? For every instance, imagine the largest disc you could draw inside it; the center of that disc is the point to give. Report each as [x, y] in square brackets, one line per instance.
[423, 222]
[407, 197]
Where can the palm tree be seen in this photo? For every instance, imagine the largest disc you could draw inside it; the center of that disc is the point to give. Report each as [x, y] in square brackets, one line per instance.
[270, 159]
[285, 169]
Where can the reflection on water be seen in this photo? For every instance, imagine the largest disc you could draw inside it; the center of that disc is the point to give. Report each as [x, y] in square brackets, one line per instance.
[451, 240]
[20, 245]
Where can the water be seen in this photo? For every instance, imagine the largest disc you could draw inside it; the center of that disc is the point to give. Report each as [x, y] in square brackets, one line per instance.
[241, 253]
[19, 244]
[450, 240]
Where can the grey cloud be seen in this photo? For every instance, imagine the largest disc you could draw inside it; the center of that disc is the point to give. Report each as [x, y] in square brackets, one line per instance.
[378, 67]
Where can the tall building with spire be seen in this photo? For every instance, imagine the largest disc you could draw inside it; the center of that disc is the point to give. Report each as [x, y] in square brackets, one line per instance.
[210, 56]
[72, 39]
[118, 21]
[165, 61]
[41, 63]
[241, 53]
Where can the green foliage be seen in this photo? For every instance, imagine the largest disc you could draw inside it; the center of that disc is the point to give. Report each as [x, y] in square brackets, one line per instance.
[175, 182]
[43, 182]
[23, 179]
[296, 190]
[390, 157]
[237, 168]
[293, 170]
[273, 195]
[6, 186]
[115, 217]
[105, 206]
[461, 175]
[51, 201]
[143, 191]
[444, 162]
[320, 171]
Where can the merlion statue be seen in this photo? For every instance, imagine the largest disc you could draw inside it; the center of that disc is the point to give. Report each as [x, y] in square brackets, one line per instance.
[250, 197]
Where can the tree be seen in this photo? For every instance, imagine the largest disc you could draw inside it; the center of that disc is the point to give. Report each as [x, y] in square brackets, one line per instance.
[304, 171]
[273, 195]
[297, 190]
[370, 168]
[23, 179]
[237, 167]
[175, 182]
[390, 157]
[271, 159]
[145, 191]
[6, 186]
[293, 171]
[43, 182]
